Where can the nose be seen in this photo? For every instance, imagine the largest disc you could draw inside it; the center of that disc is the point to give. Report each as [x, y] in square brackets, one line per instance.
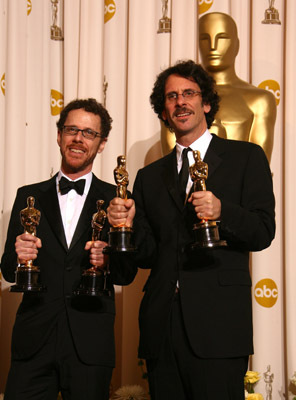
[180, 99]
[78, 136]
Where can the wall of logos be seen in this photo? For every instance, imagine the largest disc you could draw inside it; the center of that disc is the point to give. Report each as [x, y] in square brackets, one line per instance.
[55, 50]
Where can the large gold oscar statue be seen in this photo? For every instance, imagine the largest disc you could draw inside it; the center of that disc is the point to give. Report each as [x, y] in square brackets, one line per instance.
[246, 112]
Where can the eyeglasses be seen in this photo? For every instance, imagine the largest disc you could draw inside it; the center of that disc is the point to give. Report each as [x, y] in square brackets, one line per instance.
[188, 94]
[87, 133]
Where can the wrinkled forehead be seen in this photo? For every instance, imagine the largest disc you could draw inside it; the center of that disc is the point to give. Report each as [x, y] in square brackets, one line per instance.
[213, 24]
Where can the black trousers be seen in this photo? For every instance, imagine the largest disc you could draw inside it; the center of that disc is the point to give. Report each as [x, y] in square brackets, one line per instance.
[178, 374]
[57, 368]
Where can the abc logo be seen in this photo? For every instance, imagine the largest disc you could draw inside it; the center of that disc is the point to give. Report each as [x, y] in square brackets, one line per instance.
[273, 87]
[110, 9]
[266, 293]
[2, 83]
[204, 5]
[56, 102]
[29, 7]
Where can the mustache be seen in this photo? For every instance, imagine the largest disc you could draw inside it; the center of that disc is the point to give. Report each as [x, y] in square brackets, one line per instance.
[181, 110]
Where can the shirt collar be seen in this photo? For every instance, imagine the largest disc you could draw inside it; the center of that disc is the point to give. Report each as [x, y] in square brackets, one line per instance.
[87, 177]
[201, 144]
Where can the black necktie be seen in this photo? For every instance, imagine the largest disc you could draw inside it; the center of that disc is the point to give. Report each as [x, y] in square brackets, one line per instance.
[184, 173]
[66, 185]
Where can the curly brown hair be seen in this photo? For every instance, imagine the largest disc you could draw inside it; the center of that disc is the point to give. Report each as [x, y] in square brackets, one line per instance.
[189, 70]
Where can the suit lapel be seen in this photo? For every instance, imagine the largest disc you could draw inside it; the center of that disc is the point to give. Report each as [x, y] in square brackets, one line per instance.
[212, 157]
[50, 207]
[84, 222]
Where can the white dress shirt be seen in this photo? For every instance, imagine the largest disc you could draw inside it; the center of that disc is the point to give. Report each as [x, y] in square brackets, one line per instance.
[71, 205]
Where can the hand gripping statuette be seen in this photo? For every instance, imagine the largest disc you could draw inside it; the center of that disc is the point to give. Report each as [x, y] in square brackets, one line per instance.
[206, 232]
[94, 279]
[27, 275]
[120, 237]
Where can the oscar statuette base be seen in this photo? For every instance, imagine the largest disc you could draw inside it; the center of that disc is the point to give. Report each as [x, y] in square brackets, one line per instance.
[120, 240]
[206, 235]
[27, 280]
[93, 284]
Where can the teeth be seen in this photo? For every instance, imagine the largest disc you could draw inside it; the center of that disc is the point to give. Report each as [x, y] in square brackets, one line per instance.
[77, 151]
[183, 115]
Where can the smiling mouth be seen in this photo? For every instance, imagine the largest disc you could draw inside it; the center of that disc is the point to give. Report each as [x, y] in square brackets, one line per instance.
[76, 151]
[182, 113]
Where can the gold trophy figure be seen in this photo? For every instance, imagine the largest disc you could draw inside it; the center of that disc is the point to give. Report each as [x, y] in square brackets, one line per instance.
[120, 237]
[271, 15]
[164, 24]
[56, 32]
[93, 281]
[206, 232]
[27, 275]
[121, 177]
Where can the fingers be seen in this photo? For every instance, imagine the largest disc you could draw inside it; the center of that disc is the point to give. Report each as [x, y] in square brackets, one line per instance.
[26, 247]
[96, 256]
[206, 205]
[121, 212]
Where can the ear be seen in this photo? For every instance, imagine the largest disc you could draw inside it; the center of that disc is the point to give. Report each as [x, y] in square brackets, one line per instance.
[102, 145]
[164, 115]
[207, 108]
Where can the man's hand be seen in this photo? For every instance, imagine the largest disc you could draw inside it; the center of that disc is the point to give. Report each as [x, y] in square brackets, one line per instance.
[121, 212]
[206, 205]
[96, 256]
[26, 247]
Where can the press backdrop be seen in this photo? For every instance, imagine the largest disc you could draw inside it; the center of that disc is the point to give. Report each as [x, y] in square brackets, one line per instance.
[52, 51]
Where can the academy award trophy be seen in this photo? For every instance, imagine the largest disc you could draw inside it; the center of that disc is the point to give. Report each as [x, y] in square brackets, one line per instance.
[165, 23]
[27, 276]
[120, 237]
[94, 279]
[206, 232]
[271, 15]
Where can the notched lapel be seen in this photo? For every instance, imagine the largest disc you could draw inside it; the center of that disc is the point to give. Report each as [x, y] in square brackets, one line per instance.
[212, 158]
[50, 206]
[89, 208]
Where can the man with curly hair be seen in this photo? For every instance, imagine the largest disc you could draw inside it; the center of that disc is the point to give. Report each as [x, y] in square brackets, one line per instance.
[196, 314]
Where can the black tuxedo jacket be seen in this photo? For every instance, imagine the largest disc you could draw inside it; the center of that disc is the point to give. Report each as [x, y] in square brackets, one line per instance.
[215, 284]
[60, 271]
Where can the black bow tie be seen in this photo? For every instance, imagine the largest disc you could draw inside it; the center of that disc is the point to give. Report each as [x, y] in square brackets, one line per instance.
[66, 185]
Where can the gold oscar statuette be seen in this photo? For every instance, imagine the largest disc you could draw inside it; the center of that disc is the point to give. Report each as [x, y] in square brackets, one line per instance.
[56, 32]
[94, 279]
[120, 237]
[165, 23]
[27, 275]
[271, 15]
[206, 232]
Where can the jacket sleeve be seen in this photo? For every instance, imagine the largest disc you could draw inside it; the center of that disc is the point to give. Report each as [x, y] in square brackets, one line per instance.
[145, 240]
[250, 225]
[9, 257]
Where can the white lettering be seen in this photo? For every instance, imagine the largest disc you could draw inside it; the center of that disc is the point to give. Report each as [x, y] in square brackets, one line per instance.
[266, 292]
[201, 2]
[110, 9]
[276, 93]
